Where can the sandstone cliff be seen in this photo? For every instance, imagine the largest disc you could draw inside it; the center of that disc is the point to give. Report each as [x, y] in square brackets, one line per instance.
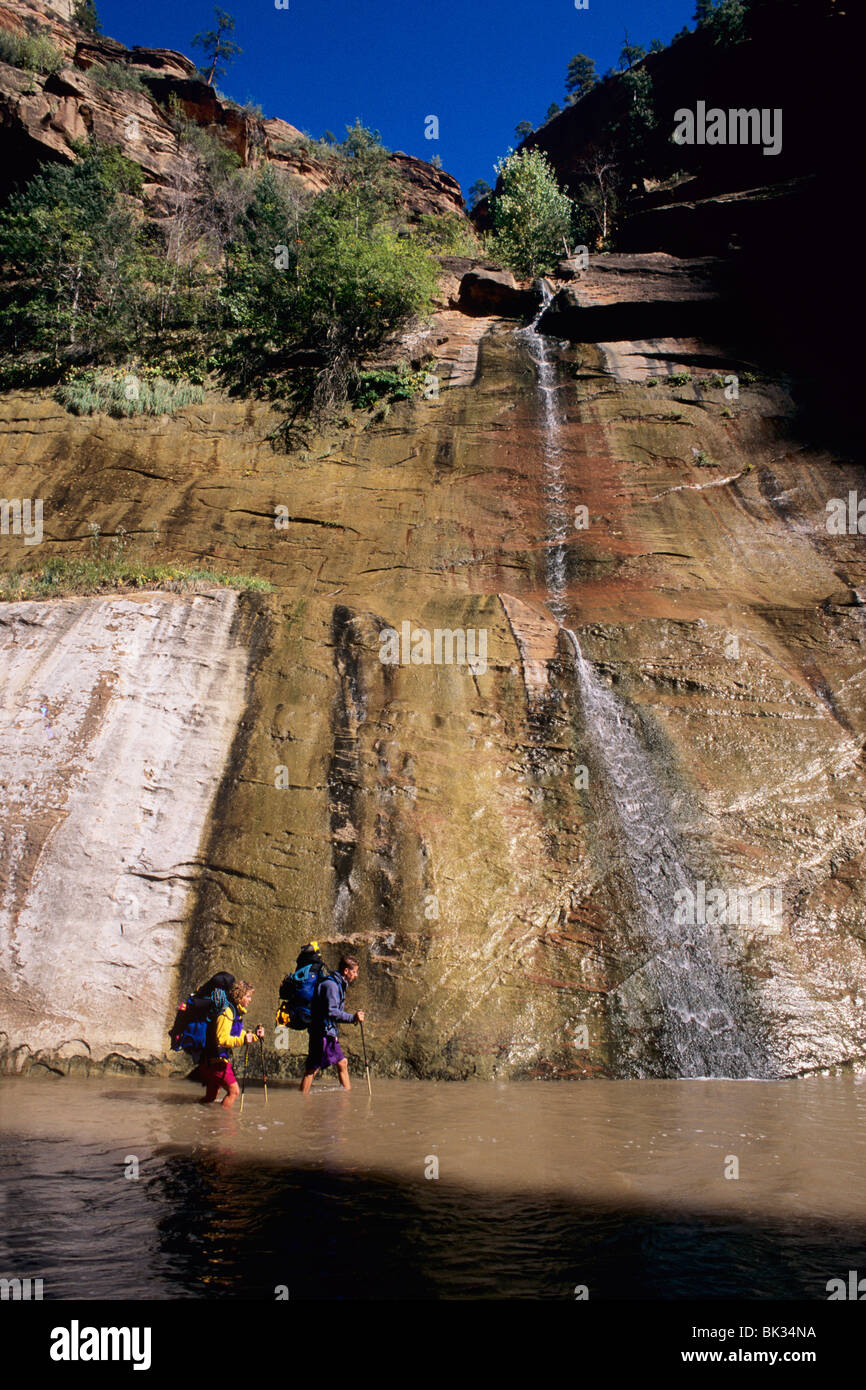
[201, 781]
[427, 815]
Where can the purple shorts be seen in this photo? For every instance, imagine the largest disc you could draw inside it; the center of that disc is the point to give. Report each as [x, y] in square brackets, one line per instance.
[324, 1052]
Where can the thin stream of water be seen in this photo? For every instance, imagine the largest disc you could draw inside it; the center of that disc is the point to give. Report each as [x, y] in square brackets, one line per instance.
[684, 991]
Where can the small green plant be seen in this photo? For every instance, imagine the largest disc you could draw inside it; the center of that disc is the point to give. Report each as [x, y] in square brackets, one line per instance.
[33, 53]
[679, 379]
[191, 365]
[702, 459]
[118, 392]
[386, 385]
[117, 77]
[651, 381]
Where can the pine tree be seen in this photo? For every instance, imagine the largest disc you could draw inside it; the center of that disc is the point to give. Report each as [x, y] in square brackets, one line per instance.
[479, 190]
[630, 53]
[84, 14]
[218, 49]
[581, 76]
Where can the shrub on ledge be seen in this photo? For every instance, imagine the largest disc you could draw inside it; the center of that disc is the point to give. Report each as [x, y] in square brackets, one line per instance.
[122, 393]
[33, 53]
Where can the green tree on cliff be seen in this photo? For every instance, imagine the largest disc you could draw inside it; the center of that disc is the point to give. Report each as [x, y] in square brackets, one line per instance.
[85, 15]
[479, 190]
[531, 215]
[630, 53]
[635, 130]
[523, 129]
[218, 49]
[727, 22]
[581, 77]
[313, 289]
[596, 200]
[75, 264]
[364, 176]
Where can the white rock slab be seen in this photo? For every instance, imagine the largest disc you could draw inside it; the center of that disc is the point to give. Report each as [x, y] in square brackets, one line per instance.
[116, 720]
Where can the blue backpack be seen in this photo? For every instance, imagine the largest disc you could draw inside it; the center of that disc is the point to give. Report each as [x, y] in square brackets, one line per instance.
[189, 1030]
[297, 993]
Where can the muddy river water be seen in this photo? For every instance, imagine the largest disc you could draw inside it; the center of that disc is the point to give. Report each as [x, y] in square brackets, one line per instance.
[127, 1188]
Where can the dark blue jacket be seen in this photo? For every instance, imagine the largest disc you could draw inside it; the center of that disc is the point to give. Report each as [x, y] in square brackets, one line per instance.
[328, 1008]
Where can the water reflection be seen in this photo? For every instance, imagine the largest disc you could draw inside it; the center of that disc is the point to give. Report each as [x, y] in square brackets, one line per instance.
[618, 1186]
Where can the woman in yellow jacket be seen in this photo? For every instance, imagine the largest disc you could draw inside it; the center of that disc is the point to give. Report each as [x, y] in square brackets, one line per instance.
[224, 1032]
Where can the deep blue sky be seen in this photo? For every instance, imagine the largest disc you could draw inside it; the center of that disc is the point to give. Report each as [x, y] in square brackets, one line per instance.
[479, 65]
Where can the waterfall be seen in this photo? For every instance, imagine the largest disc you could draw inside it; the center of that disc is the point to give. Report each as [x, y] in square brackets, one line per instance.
[682, 999]
[695, 999]
[557, 517]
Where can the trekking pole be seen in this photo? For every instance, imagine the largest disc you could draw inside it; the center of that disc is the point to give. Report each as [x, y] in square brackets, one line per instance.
[264, 1073]
[366, 1067]
[244, 1080]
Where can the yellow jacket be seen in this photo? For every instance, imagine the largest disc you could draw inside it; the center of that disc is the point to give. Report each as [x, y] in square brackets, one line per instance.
[224, 1026]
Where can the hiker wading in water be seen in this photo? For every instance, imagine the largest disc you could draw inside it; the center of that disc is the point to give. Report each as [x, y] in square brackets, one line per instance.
[224, 1032]
[327, 1012]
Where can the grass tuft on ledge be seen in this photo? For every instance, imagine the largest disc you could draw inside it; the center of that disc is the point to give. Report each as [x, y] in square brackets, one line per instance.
[124, 393]
[66, 578]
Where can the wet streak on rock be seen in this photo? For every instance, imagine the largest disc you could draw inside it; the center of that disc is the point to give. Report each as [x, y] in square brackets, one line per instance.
[208, 933]
[344, 773]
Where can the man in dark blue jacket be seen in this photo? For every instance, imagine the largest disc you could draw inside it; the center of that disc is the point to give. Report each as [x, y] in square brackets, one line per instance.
[328, 1011]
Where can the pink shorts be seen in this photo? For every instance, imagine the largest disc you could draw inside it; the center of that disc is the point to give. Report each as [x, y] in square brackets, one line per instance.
[217, 1073]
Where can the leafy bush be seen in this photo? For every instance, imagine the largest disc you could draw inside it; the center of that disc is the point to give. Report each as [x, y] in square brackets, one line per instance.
[73, 259]
[117, 77]
[385, 384]
[447, 234]
[121, 393]
[218, 161]
[286, 294]
[33, 53]
[191, 364]
[531, 216]
[341, 283]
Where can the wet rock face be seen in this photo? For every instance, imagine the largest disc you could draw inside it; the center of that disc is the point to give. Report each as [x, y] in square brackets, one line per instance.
[441, 818]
